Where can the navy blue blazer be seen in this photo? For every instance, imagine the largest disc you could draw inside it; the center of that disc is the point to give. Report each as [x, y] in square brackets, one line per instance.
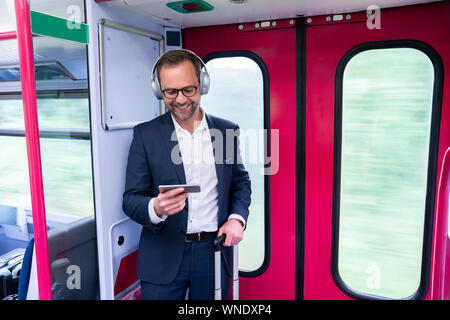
[150, 165]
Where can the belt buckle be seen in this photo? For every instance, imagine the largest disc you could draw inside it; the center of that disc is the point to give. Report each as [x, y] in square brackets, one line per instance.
[192, 237]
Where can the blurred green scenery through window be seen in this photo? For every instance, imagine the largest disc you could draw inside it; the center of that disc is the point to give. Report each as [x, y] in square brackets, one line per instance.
[237, 94]
[386, 123]
[66, 163]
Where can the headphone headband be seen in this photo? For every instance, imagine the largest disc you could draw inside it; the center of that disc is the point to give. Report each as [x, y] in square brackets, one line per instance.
[203, 79]
[189, 51]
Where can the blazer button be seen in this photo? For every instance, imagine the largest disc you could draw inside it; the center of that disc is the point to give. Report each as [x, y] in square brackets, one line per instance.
[185, 208]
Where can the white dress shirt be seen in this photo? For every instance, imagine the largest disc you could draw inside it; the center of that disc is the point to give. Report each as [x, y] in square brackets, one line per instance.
[199, 169]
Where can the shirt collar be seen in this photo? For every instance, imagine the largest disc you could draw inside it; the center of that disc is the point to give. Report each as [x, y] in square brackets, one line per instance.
[203, 124]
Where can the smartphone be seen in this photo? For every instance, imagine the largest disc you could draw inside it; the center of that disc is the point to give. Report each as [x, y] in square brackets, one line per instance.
[190, 188]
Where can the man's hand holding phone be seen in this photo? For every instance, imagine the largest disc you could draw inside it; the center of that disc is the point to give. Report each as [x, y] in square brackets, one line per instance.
[170, 202]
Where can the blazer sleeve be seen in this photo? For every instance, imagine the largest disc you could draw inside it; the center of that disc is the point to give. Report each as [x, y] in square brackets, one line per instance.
[240, 191]
[138, 184]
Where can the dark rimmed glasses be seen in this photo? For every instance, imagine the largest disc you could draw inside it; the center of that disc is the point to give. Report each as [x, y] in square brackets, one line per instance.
[188, 91]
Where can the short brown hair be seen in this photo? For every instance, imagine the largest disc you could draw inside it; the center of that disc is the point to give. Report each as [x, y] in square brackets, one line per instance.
[175, 57]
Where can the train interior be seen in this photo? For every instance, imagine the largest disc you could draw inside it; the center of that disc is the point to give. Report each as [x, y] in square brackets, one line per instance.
[273, 69]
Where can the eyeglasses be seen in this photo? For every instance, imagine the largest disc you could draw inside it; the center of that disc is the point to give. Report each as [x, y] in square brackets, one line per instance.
[188, 91]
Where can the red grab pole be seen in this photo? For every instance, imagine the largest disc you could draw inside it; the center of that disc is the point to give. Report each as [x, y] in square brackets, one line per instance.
[25, 45]
[8, 35]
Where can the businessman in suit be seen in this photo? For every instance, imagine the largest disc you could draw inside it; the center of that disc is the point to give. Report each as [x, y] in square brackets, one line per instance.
[181, 146]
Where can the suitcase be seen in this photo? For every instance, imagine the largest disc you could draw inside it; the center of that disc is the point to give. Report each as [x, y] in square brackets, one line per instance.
[10, 266]
[218, 243]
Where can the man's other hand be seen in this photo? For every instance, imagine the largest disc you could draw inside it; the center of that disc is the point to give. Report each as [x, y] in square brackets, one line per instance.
[234, 232]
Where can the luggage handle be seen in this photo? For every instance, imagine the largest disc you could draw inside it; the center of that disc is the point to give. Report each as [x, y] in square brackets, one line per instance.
[218, 243]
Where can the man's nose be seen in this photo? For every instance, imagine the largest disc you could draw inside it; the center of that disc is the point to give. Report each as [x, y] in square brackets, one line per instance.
[181, 99]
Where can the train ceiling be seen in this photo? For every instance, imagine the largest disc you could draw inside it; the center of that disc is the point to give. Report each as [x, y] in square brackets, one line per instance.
[72, 56]
[240, 11]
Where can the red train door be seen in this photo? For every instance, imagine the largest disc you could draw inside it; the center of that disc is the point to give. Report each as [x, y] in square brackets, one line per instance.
[377, 128]
[272, 45]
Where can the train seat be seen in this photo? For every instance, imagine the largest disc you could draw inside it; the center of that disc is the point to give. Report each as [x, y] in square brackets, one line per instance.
[73, 263]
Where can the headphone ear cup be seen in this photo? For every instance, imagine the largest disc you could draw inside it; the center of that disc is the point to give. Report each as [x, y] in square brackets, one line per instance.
[204, 82]
[156, 88]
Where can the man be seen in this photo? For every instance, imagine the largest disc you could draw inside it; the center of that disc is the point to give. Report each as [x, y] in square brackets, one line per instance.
[176, 245]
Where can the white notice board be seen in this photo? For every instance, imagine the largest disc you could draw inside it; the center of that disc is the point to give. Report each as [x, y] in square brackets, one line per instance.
[127, 55]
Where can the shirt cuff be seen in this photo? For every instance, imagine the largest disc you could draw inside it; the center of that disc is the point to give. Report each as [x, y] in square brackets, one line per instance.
[237, 216]
[153, 216]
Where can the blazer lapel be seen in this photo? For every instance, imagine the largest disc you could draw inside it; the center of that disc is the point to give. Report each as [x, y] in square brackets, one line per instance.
[218, 162]
[169, 137]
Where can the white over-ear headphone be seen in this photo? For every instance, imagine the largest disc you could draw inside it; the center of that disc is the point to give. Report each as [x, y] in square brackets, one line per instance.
[204, 77]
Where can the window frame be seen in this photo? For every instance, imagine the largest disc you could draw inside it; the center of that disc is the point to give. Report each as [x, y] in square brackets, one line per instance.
[266, 123]
[430, 196]
[56, 134]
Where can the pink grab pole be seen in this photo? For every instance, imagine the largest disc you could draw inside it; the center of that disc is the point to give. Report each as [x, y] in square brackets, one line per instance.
[25, 44]
[8, 35]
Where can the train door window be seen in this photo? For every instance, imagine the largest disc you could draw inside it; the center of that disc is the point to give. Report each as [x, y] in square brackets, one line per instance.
[237, 94]
[382, 177]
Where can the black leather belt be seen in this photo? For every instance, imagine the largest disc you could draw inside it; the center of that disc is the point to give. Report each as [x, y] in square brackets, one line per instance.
[199, 236]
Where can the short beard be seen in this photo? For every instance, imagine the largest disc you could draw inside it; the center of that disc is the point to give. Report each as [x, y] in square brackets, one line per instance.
[183, 117]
